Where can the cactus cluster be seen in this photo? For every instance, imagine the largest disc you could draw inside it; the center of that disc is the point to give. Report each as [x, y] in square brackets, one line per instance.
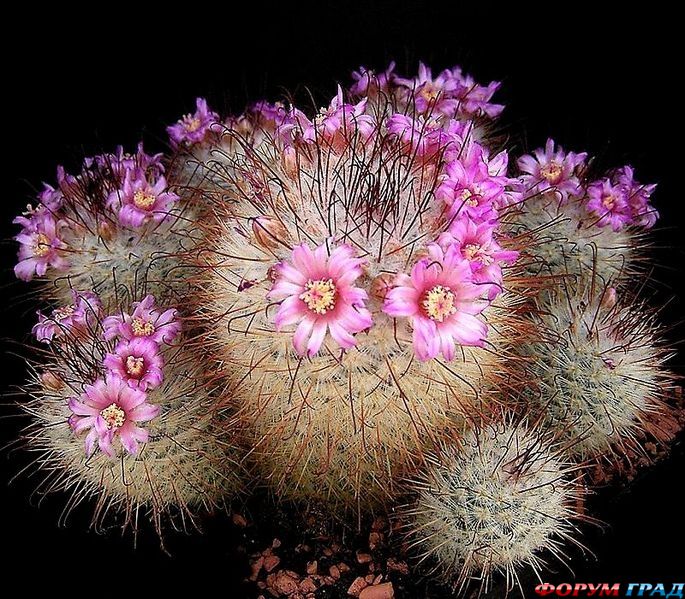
[350, 306]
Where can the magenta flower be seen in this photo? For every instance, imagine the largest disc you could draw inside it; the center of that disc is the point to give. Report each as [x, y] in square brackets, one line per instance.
[193, 128]
[318, 293]
[138, 362]
[441, 302]
[428, 137]
[609, 203]
[451, 93]
[641, 211]
[368, 82]
[469, 189]
[474, 99]
[40, 246]
[75, 318]
[120, 163]
[111, 409]
[341, 123]
[552, 170]
[478, 245]
[140, 202]
[146, 322]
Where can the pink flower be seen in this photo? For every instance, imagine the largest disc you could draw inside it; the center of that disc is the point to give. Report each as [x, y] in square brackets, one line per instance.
[477, 244]
[75, 318]
[609, 203]
[40, 246]
[469, 188]
[368, 82]
[552, 170]
[341, 123]
[641, 211]
[120, 163]
[193, 128]
[451, 93]
[146, 322]
[140, 202]
[318, 293]
[441, 302]
[111, 409]
[474, 99]
[428, 137]
[138, 362]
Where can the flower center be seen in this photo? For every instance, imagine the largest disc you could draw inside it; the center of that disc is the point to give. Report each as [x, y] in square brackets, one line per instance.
[41, 246]
[438, 303]
[143, 200]
[63, 313]
[142, 328]
[429, 92]
[135, 366]
[467, 197]
[114, 416]
[552, 172]
[608, 201]
[191, 123]
[319, 295]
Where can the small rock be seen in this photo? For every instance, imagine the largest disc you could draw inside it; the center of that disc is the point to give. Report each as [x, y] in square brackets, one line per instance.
[334, 571]
[239, 520]
[343, 567]
[335, 548]
[363, 558]
[270, 562]
[328, 580]
[308, 586]
[276, 543]
[372, 567]
[284, 582]
[369, 578]
[357, 586]
[375, 539]
[302, 548]
[328, 552]
[312, 567]
[381, 591]
[255, 567]
[398, 566]
[378, 579]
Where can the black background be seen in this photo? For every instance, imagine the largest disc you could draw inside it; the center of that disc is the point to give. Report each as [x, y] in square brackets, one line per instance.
[606, 84]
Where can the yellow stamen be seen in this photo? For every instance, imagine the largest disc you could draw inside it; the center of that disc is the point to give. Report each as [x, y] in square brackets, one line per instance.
[61, 313]
[438, 303]
[474, 251]
[466, 196]
[319, 295]
[135, 366]
[191, 123]
[114, 416]
[552, 172]
[608, 201]
[41, 246]
[142, 328]
[143, 200]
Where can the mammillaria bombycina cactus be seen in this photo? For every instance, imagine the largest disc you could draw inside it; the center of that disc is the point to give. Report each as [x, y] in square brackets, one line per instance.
[353, 304]
[357, 293]
[120, 413]
[495, 501]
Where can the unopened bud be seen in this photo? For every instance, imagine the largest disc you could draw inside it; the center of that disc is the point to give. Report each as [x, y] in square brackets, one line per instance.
[268, 231]
[51, 381]
[609, 298]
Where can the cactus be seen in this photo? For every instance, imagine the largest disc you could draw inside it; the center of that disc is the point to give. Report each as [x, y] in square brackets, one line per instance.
[600, 371]
[330, 351]
[500, 499]
[154, 446]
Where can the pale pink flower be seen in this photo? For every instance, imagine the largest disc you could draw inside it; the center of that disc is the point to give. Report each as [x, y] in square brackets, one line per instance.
[317, 292]
[78, 317]
[138, 362]
[441, 302]
[111, 410]
[146, 321]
